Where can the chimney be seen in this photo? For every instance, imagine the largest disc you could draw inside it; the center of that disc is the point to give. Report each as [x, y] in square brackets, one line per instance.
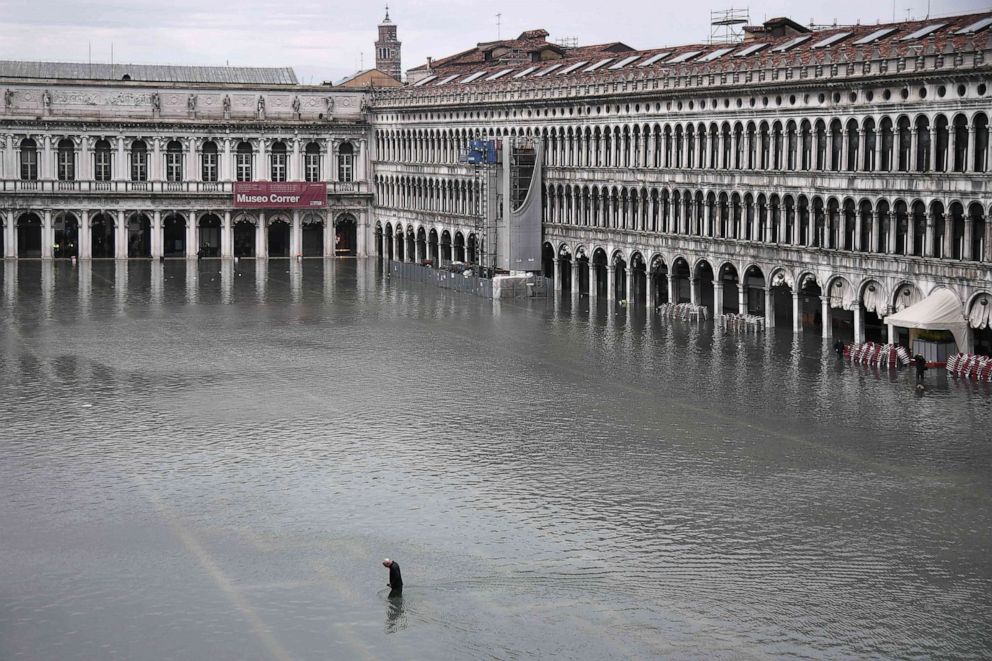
[429, 61]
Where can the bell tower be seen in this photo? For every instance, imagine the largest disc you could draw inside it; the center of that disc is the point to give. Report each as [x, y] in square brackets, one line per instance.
[387, 49]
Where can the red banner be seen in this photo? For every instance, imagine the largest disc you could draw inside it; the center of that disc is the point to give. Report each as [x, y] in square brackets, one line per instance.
[279, 195]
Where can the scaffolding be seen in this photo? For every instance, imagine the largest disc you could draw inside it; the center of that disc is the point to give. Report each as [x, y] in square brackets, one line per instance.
[727, 25]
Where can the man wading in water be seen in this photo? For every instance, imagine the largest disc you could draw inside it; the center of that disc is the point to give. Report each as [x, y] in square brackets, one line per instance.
[395, 578]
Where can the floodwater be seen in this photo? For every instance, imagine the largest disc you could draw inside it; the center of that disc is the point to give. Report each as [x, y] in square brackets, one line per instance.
[210, 460]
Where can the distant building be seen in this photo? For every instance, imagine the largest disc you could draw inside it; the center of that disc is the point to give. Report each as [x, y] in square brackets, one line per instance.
[368, 78]
[387, 49]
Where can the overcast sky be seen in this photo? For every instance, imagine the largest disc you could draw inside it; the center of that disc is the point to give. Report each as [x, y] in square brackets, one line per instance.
[324, 39]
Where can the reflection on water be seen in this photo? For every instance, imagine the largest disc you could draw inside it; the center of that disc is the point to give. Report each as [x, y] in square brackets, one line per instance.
[395, 617]
[208, 459]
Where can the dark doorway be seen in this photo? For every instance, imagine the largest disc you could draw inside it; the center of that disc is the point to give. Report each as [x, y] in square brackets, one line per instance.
[278, 239]
[313, 239]
[29, 236]
[346, 237]
[102, 237]
[244, 239]
[174, 236]
[139, 236]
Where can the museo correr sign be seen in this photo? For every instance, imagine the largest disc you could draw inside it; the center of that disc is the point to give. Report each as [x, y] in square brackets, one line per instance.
[279, 195]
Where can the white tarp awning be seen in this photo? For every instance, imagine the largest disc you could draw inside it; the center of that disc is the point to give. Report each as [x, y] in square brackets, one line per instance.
[940, 310]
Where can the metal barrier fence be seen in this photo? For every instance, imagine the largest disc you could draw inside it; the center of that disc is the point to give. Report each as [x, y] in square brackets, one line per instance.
[536, 285]
[440, 278]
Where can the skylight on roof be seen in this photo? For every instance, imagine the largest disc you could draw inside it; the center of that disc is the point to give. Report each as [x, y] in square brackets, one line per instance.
[875, 36]
[715, 55]
[831, 40]
[445, 81]
[655, 58]
[977, 26]
[750, 50]
[922, 32]
[593, 67]
[424, 81]
[498, 74]
[545, 72]
[684, 57]
[470, 78]
[622, 63]
[572, 67]
[525, 72]
[792, 43]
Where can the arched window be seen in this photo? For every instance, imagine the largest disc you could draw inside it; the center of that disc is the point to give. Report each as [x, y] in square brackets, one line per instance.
[209, 161]
[174, 161]
[139, 161]
[67, 160]
[277, 160]
[312, 162]
[29, 160]
[102, 161]
[244, 159]
[346, 162]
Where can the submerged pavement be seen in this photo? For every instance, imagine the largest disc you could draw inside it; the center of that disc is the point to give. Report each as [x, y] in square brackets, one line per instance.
[210, 460]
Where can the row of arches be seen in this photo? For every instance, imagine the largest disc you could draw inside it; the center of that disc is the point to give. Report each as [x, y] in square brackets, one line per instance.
[924, 142]
[941, 229]
[418, 244]
[808, 298]
[100, 236]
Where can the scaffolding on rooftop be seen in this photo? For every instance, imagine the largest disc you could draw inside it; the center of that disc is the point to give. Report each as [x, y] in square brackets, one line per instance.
[727, 25]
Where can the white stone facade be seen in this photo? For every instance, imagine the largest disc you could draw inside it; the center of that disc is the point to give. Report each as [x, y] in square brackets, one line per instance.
[866, 179]
[140, 161]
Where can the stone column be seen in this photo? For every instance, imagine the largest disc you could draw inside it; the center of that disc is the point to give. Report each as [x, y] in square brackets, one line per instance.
[910, 234]
[629, 284]
[825, 314]
[693, 291]
[649, 291]
[120, 236]
[262, 167]
[294, 169]
[575, 278]
[329, 240]
[611, 284]
[892, 334]
[85, 236]
[47, 234]
[769, 308]
[157, 238]
[797, 322]
[843, 150]
[741, 298]
[120, 163]
[261, 237]
[192, 231]
[873, 247]
[296, 235]
[890, 247]
[156, 167]
[227, 163]
[859, 324]
[47, 165]
[227, 237]
[557, 273]
[969, 157]
[593, 282]
[857, 230]
[948, 236]
[717, 299]
[84, 171]
[933, 147]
